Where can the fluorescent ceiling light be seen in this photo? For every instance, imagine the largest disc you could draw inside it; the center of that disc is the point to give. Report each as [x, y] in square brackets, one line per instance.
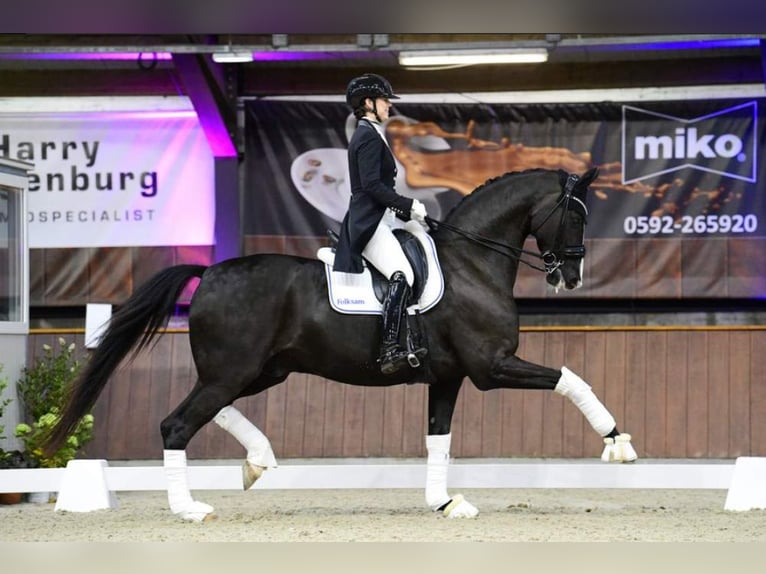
[232, 57]
[472, 57]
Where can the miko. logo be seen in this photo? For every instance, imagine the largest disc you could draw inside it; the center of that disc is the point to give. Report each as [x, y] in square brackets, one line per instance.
[723, 142]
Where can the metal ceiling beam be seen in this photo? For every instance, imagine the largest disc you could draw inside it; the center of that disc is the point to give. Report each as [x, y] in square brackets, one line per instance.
[373, 42]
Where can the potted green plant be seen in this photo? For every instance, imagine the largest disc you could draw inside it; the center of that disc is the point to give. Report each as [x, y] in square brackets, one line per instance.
[43, 389]
[13, 458]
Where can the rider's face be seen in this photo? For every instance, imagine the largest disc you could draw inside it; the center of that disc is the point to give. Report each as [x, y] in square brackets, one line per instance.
[383, 106]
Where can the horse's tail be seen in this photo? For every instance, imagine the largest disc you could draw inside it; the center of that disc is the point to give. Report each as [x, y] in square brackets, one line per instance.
[132, 327]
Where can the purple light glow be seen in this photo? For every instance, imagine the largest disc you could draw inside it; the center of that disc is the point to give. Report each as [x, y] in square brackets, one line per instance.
[683, 45]
[142, 56]
[292, 56]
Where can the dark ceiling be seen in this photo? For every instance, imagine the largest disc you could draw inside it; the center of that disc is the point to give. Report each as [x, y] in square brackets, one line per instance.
[57, 65]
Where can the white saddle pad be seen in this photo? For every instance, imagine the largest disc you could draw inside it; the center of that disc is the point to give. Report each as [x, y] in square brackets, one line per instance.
[352, 293]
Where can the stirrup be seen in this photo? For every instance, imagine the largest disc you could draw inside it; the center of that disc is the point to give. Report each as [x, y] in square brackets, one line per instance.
[393, 361]
[413, 357]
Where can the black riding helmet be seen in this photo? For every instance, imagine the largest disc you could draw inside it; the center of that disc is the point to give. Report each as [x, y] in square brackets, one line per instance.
[368, 86]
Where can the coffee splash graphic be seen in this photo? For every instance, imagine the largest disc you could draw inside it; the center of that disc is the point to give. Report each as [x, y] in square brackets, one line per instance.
[465, 169]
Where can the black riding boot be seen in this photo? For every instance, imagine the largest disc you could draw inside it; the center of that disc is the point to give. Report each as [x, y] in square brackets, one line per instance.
[392, 355]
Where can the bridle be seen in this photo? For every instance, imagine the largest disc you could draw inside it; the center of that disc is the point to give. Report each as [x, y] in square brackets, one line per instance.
[551, 259]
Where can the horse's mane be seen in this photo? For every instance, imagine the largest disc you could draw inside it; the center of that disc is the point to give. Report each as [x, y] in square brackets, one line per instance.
[490, 183]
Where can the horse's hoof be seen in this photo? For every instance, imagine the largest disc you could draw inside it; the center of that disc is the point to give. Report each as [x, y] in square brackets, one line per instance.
[251, 473]
[608, 453]
[459, 507]
[618, 449]
[197, 512]
[623, 449]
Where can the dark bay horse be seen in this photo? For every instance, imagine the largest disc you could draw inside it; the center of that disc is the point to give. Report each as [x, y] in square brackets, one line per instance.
[253, 320]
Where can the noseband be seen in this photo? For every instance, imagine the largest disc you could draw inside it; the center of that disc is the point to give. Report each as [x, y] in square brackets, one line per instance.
[553, 258]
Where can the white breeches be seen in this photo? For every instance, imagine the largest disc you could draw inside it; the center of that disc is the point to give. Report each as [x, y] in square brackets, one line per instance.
[385, 253]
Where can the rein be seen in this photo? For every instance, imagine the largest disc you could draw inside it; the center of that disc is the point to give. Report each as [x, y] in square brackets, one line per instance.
[550, 260]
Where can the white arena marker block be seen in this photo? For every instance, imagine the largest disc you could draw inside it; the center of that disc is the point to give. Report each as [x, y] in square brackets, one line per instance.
[84, 488]
[97, 317]
[747, 491]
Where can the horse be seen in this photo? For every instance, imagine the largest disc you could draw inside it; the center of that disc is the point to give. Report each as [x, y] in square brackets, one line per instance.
[255, 319]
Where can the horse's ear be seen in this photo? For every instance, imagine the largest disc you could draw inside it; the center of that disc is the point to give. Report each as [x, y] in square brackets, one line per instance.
[589, 177]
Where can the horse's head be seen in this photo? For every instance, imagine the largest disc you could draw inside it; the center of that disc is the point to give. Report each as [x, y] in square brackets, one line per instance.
[559, 227]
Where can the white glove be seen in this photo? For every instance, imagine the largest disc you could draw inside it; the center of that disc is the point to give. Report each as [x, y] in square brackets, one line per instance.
[418, 212]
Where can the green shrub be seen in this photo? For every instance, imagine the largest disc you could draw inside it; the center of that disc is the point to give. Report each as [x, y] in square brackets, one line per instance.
[43, 389]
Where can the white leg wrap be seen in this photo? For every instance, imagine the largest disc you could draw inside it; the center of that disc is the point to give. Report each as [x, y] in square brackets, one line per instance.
[437, 446]
[179, 495]
[258, 446]
[580, 393]
[436, 480]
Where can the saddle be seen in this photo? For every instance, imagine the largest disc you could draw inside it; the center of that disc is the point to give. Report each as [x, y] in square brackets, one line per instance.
[413, 251]
[363, 294]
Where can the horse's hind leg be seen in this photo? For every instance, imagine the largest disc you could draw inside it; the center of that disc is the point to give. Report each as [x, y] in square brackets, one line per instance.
[441, 406]
[260, 456]
[177, 429]
[509, 371]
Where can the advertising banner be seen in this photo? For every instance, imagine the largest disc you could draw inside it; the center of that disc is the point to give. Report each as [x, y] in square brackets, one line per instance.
[684, 173]
[114, 179]
[666, 168]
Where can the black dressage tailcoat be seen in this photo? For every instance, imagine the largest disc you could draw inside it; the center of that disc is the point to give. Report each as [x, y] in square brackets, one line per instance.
[372, 170]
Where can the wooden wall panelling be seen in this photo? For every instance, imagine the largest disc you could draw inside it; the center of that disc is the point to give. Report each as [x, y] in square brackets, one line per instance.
[575, 426]
[313, 419]
[617, 377]
[740, 390]
[719, 353]
[295, 415]
[274, 428]
[681, 393]
[393, 419]
[352, 423]
[472, 412]
[141, 430]
[160, 382]
[332, 443]
[595, 374]
[676, 398]
[655, 436]
[414, 421]
[531, 400]
[757, 355]
[636, 365]
[372, 429]
[553, 404]
[697, 396]
[120, 420]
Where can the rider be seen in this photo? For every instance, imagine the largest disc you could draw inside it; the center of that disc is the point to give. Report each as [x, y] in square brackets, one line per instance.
[366, 230]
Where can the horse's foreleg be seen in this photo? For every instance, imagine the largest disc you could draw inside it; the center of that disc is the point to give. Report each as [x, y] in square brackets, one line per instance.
[509, 371]
[617, 446]
[441, 406]
[260, 456]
